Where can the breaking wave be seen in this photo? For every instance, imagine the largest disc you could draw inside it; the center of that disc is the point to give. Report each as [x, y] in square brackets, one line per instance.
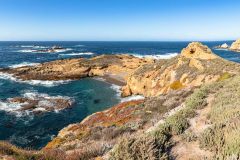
[42, 98]
[125, 99]
[39, 51]
[157, 56]
[77, 54]
[33, 82]
[23, 64]
[79, 45]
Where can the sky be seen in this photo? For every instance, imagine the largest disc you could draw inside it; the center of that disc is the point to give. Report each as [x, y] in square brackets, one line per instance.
[119, 20]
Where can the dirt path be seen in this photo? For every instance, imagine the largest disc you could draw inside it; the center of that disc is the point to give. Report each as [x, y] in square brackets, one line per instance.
[184, 150]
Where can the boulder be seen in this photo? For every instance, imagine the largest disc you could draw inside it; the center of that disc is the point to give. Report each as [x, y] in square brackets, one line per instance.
[198, 50]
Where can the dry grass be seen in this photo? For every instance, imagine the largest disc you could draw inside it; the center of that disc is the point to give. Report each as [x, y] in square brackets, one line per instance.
[223, 137]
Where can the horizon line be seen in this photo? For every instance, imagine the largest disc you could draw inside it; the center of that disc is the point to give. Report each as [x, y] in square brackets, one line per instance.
[117, 40]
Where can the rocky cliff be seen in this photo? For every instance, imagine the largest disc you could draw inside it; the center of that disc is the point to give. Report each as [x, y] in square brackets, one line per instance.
[191, 111]
[196, 65]
[166, 83]
[235, 46]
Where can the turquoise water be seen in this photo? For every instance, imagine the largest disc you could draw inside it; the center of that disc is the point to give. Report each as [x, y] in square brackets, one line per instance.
[35, 131]
[89, 95]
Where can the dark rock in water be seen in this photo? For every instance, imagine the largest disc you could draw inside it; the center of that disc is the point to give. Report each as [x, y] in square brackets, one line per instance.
[57, 47]
[50, 50]
[40, 103]
[96, 101]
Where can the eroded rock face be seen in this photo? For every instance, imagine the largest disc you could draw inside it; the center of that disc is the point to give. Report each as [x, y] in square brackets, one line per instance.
[121, 65]
[235, 46]
[198, 50]
[196, 65]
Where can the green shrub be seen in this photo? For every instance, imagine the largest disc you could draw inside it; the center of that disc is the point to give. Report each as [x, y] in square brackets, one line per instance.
[189, 137]
[223, 137]
[145, 147]
[224, 76]
[177, 124]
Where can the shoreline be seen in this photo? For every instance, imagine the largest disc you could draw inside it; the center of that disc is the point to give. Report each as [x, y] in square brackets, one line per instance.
[114, 79]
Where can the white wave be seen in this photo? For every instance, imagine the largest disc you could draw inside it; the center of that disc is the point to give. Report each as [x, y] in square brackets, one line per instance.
[32, 46]
[39, 47]
[125, 99]
[99, 79]
[9, 107]
[26, 46]
[77, 54]
[157, 56]
[23, 64]
[47, 51]
[131, 98]
[42, 98]
[79, 45]
[27, 51]
[33, 82]
[35, 95]
[62, 50]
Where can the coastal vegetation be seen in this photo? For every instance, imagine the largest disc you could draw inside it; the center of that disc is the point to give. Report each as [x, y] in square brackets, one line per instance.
[191, 110]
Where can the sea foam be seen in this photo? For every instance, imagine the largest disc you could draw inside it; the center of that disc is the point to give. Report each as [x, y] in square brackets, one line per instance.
[157, 56]
[23, 64]
[14, 107]
[125, 99]
[77, 54]
[39, 51]
[33, 82]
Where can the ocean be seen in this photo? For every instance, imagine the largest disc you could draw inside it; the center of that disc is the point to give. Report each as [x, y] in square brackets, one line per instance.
[89, 95]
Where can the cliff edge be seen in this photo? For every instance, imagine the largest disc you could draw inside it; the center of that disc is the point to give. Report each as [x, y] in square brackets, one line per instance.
[196, 65]
[235, 46]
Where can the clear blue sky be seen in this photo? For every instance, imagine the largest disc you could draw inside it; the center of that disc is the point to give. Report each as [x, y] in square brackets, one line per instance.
[119, 20]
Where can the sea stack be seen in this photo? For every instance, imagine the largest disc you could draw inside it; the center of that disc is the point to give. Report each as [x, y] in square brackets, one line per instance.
[223, 46]
[198, 50]
[235, 46]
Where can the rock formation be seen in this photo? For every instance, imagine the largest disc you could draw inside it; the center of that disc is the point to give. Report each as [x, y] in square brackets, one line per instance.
[198, 51]
[223, 46]
[115, 66]
[235, 46]
[173, 110]
[39, 103]
[196, 65]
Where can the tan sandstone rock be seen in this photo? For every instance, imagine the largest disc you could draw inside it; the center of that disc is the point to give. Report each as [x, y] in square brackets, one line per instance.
[198, 50]
[235, 46]
[196, 65]
[121, 65]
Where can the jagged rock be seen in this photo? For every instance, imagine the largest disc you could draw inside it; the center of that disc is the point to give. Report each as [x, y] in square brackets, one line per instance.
[235, 46]
[223, 46]
[198, 50]
[195, 66]
[40, 103]
[120, 65]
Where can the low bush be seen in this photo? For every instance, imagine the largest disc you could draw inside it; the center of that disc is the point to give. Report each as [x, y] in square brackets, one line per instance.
[223, 137]
[189, 136]
[145, 147]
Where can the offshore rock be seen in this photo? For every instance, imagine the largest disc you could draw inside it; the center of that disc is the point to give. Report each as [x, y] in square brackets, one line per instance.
[115, 66]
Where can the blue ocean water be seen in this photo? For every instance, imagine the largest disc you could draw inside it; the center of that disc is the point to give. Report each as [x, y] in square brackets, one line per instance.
[90, 95]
